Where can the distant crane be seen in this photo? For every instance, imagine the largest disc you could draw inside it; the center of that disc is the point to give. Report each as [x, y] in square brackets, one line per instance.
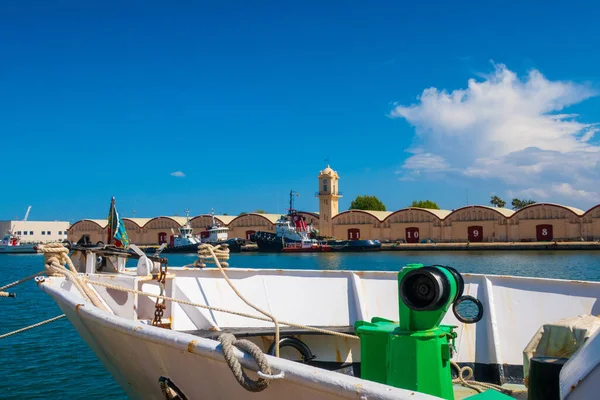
[27, 213]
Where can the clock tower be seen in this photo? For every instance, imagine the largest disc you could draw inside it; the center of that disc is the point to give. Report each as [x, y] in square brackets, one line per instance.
[328, 195]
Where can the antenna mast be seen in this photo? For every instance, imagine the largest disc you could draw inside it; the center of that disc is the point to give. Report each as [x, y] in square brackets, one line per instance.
[292, 199]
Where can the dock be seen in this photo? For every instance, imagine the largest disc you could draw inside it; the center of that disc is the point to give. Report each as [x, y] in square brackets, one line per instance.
[482, 246]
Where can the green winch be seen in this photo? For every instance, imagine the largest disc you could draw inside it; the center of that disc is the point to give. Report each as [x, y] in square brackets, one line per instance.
[415, 353]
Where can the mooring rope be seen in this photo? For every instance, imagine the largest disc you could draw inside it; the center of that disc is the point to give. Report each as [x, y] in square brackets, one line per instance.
[202, 249]
[219, 254]
[31, 326]
[56, 256]
[228, 342]
[477, 385]
[15, 283]
[218, 309]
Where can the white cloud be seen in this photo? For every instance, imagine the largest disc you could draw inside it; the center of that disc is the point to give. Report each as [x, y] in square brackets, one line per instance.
[507, 128]
[569, 191]
[178, 174]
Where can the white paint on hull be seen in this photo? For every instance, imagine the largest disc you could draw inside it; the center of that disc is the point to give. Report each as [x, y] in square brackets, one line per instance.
[137, 354]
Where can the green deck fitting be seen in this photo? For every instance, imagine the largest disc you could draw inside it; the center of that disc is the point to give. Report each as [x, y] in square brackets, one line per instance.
[490, 394]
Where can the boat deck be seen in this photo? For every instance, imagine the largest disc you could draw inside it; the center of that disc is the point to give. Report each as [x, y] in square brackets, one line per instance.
[461, 392]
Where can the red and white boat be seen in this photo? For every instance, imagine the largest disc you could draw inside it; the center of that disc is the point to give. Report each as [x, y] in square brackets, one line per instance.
[11, 244]
[308, 246]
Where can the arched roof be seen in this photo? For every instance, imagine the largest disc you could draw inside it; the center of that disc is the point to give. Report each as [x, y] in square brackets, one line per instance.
[379, 215]
[272, 218]
[439, 214]
[178, 220]
[223, 219]
[102, 223]
[505, 212]
[140, 222]
[592, 209]
[576, 211]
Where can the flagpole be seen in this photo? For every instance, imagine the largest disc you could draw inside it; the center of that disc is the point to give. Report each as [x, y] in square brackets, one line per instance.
[112, 218]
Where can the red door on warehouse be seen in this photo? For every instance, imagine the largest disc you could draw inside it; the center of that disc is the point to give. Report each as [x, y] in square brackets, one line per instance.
[475, 233]
[544, 232]
[412, 235]
[353, 234]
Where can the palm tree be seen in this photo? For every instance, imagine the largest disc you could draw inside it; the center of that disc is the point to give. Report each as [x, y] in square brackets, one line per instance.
[497, 201]
[517, 204]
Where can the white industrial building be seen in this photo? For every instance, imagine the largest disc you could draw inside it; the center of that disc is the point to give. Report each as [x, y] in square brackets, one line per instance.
[36, 231]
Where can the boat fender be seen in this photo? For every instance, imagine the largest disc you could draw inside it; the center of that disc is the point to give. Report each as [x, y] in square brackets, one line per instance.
[466, 320]
[298, 344]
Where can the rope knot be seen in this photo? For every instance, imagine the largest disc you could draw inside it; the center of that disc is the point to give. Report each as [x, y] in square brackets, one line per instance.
[228, 342]
[208, 253]
[54, 254]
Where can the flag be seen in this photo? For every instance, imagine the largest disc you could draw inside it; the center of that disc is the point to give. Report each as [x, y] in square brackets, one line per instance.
[116, 228]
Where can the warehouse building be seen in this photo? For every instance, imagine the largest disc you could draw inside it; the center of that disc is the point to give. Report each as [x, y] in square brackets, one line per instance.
[36, 231]
[473, 223]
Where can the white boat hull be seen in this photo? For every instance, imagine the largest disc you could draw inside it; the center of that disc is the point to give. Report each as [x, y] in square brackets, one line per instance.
[137, 354]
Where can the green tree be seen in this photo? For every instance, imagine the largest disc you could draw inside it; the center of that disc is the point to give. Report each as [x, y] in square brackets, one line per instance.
[425, 204]
[497, 201]
[259, 211]
[367, 203]
[517, 204]
[243, 213]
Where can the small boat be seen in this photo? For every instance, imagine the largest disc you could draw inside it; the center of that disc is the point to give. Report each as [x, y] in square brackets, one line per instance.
[357, 245]
[216, 234]
[11, 244]
[163, 333]
[291, 231]
[306, 247]
[187, 242]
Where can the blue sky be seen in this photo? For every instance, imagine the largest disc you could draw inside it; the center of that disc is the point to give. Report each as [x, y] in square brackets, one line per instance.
[247, 100]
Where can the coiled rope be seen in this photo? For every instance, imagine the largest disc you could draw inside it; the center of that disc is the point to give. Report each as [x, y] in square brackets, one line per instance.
[476, 385]
[56, 256]
[228, 342]
[212, 254]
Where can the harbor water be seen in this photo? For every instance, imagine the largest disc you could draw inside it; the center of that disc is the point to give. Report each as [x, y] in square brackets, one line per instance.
[53, 362]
